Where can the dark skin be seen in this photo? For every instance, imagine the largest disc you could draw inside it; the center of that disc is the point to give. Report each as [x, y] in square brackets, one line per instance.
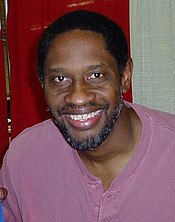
[73, 60]
[114, 153]
[3, 194]
[108, 165]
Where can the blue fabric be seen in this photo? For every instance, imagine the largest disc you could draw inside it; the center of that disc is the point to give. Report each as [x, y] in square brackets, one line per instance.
[1, 214]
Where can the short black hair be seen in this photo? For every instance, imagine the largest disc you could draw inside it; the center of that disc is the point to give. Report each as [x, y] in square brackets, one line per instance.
[113, 35]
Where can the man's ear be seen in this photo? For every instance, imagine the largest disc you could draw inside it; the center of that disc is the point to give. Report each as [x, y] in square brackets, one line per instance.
[42, 83]
[127, 75]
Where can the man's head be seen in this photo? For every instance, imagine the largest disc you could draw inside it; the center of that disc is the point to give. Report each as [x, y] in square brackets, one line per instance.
[113, 35]
[84, 68]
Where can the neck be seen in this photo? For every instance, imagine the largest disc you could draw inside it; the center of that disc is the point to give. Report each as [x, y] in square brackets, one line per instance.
[114, 153]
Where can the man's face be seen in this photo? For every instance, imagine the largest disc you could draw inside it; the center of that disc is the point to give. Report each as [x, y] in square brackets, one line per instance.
[82, 88]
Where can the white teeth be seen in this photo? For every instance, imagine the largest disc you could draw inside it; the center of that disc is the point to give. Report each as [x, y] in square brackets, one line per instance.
[84, 117]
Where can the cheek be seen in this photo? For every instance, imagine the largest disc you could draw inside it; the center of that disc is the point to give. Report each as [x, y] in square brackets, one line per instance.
[53, 100]
[112, 93]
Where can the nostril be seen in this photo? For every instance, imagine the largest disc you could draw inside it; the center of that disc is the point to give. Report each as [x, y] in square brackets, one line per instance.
[80, 96]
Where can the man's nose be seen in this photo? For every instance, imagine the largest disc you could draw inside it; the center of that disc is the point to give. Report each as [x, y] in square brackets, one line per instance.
[80, 94]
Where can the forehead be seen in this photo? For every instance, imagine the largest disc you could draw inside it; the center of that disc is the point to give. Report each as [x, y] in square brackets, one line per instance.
[78, 46]
[78, 38]
[79, 33]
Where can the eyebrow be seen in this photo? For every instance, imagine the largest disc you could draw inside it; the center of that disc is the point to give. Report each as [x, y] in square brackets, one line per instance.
[91, 67]
[96, 66]
[58, 69]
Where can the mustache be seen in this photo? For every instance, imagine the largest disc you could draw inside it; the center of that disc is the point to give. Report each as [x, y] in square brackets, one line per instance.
[71, 106]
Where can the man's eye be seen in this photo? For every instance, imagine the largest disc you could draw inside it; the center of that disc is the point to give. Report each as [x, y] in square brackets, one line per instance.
[61, 79]
[96, 75]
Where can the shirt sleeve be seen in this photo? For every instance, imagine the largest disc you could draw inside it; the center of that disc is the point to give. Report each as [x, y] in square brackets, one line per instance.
[10, 206]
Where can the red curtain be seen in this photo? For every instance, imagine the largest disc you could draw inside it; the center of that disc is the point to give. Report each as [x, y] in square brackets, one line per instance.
[3, 105]
[26, 21]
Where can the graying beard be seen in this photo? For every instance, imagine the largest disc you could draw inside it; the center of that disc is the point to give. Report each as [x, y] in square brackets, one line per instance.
[92, 143]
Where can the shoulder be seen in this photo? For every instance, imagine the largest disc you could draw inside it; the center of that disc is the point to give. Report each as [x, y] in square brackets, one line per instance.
[40, 140]
[39, 133]
[40, 128]
[159, 118]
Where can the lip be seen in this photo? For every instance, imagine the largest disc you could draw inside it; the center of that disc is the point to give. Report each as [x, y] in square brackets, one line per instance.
[84, 121]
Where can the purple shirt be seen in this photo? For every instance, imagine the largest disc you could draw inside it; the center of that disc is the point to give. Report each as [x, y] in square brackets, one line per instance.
[47, 181]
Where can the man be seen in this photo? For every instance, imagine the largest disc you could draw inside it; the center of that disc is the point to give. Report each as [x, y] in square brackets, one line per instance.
[110, 160]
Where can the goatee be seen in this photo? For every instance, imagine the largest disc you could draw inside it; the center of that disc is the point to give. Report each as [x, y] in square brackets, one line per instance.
[92, 142]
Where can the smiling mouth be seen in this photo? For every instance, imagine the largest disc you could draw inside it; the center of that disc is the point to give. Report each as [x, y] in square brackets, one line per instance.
[84, 117]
